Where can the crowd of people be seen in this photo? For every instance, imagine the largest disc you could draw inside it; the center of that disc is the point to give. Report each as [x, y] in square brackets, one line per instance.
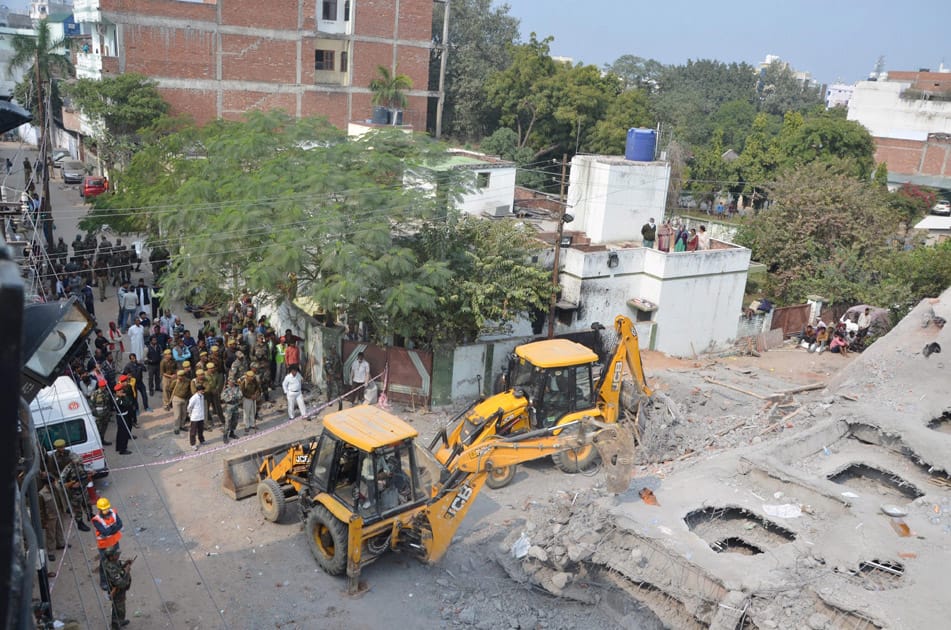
[848, 335]
[674, 237]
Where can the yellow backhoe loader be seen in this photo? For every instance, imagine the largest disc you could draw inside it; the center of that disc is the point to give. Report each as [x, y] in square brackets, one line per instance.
[549, 385]
[370, 488]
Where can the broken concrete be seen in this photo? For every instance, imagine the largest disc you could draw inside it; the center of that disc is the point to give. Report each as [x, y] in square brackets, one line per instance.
[794, 532]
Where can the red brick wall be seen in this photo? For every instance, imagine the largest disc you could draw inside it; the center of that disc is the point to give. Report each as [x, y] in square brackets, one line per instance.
[201, 105]
[926, 81]
[416, 19]
[162, 8]
[911, 157]
[247, 58]
[167, 52]
[275, 14]
[236, 102]
[375, 17]
[330, 105]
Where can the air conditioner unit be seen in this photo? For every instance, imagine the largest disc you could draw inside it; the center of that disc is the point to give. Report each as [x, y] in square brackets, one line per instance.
[500, 211]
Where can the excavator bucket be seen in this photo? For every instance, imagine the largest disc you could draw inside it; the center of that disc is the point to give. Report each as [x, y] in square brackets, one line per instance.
[241, 473]
[616, 447]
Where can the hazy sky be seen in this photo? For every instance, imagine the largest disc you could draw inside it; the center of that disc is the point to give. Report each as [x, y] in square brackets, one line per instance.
[833, 39]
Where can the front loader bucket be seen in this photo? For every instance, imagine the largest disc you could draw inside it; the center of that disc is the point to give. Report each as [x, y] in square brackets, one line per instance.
[616, 447]
[241, 475]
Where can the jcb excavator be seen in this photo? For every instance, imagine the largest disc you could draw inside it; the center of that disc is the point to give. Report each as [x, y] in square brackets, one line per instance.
[370, 488]
[550, 385]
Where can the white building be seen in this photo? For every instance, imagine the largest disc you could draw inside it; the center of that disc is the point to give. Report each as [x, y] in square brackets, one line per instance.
[611, 197]
[938, 228]
[879, 106]
[839, 95]
[683, 303]
[491, 182]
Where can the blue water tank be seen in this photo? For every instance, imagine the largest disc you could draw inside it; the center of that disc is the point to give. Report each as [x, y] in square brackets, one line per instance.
[381, 116]
[640, 144]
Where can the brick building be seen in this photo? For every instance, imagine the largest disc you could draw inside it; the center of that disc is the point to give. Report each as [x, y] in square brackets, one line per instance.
[221, 58]
[909, 117]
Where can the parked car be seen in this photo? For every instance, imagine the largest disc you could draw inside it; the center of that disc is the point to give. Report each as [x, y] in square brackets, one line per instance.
[942, 208]
[73, 171]
[59, 156]
[93, 185]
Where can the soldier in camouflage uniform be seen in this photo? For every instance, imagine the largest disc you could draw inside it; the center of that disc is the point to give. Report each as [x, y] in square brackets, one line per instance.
[65, 471]
[333, 377]
[102, 409]
[232, 400]
[239, 367]
[119, 576]
[261, 355]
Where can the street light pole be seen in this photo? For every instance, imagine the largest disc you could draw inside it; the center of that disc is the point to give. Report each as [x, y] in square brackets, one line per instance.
[558, 235]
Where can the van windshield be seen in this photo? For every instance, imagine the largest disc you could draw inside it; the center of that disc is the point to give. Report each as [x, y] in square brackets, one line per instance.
[73, 431]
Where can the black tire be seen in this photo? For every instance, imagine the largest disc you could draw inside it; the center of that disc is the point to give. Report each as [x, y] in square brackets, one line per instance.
[576, 460]
[501, 477]
[271, 499]
[328, 540]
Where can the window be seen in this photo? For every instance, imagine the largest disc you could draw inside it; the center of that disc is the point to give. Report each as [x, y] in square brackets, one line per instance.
[343, 61]
[329, 11]
[73, 431]
[323, 60]
[482, 180]
[346, 11]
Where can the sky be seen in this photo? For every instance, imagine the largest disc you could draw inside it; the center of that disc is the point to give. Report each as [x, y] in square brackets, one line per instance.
[833, 39]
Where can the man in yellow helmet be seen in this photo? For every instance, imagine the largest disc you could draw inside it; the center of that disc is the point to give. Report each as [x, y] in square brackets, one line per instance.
[108, 527]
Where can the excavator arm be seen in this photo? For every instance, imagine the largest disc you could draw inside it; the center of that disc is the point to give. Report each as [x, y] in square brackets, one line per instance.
[627, 354]
[470, 469]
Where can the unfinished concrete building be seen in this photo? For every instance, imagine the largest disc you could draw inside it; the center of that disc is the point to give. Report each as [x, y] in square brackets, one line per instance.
[221, 58]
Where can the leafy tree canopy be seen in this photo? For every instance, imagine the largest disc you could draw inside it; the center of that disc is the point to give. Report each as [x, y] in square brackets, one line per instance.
[275, 203]
[481, 37]
[827, 138]
[124, 105]
[636, 72]
[780, 91]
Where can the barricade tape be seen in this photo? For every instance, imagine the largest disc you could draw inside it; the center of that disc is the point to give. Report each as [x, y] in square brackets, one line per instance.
[243, 439]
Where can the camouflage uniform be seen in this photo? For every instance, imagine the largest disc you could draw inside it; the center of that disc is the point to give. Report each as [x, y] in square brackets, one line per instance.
[119, 576]
[51, 525]
[73, 479]
[239, 367]
[232, 398]
[102, 409]
[333, 377]
[262, 366]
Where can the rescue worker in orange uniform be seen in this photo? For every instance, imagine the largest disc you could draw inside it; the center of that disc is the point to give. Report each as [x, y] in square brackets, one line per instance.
[108, 528]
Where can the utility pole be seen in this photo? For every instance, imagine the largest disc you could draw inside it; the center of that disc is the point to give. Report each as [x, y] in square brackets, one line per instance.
[558, 235]
[441, 102]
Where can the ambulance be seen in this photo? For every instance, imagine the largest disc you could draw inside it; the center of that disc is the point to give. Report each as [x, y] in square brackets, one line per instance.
[60, 411]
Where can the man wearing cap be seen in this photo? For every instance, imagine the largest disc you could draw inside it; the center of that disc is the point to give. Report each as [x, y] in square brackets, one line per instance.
[187, 366]
[128, 386]
[251, 393]
[239, 366]
[136, 371]
[124, 416]
[102, 410]
[262, 366]
[119, 576]
[232, 398]
[181, 392]
[169, 369]
[52, 529]
[215, 357]
[108, 528]
[293, 389]
[196, 417]
[66, 472]
[213, 385]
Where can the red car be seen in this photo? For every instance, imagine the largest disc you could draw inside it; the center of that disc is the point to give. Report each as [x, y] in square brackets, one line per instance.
[93, 185]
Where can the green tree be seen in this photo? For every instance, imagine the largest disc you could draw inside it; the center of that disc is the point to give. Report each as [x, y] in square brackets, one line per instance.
[504, 143]
[636, 72]
[123, 106]
[780, 91]
[759, 162]
[43, 59]
[734, 119]
[827, 137]
[826, 232]
[274, 202]
[880, 176]
[708, 172]
[389, 90]
[629, 109]
[480, 40]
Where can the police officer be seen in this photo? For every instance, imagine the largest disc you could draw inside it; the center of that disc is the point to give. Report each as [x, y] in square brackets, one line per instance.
[102, 409]
[108, 534]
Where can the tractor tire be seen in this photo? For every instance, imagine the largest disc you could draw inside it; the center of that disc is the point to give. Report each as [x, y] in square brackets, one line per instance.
[501, 476]
[327, 538]
[576, 460]
[271, 499]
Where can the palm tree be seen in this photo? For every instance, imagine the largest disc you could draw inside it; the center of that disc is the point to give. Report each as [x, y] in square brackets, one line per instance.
[40, 55]
[388, 90]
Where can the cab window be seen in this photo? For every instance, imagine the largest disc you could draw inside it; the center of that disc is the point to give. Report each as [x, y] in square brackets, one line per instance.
[323, 462]
[73, 431]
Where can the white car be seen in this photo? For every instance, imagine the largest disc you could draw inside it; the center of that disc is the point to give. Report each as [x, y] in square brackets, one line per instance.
[943, 208]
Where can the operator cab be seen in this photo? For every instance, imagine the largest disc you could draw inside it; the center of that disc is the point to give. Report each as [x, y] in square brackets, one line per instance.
[557, 377]
[367, 460]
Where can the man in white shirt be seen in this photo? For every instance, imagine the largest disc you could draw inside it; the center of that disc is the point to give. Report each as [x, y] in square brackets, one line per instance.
[865, 322]
[292, 385]
[359, 376]
[703, 239]
[196, 417]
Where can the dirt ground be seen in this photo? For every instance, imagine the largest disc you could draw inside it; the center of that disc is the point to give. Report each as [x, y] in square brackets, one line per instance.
[206, 561]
